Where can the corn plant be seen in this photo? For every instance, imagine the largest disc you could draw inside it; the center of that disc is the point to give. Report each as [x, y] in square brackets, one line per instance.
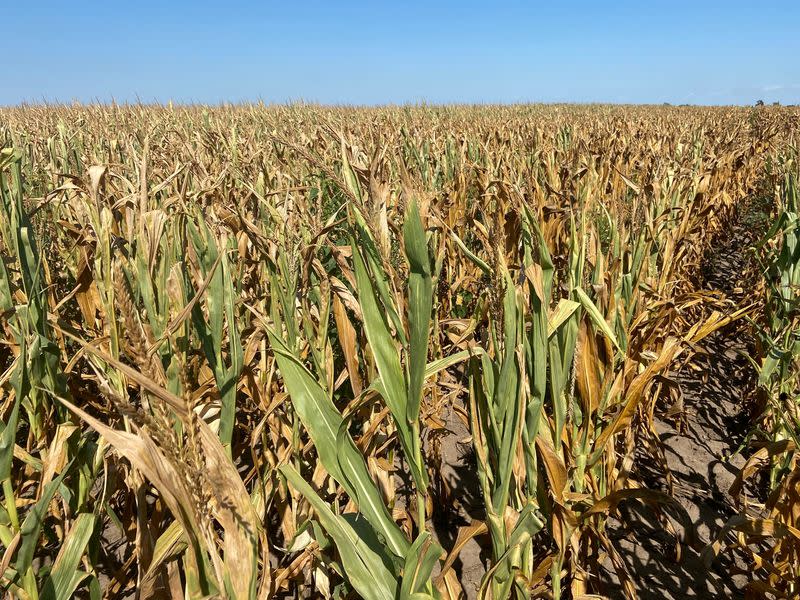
[235, 340]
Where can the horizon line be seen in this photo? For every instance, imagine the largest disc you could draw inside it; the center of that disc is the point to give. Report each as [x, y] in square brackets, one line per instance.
[138, 103]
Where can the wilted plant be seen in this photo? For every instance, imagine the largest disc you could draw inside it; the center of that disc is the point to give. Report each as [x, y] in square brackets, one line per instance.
[230, 337]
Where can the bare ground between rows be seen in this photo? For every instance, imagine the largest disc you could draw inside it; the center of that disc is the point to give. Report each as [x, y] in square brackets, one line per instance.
[701, 451]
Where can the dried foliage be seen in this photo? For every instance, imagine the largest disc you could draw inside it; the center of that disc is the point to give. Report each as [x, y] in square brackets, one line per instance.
[230, 336]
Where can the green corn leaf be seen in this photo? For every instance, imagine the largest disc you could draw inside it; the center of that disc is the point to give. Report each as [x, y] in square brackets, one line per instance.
[340, 457]
[235, 353]
[541, 329]
[349, 175]
[528, 524]
[771, 363]
[169, 544]
[479, 262]
[597, 318]
[561, 350]
[440, 364]
[65, 577]
[364, 568]
[6, 300]
[32, 526]
[387, 358]
[506, 401]
[369, 253]
[219, 299]
[8, 436]
[422, 557]
[420, 304]
[564, 310]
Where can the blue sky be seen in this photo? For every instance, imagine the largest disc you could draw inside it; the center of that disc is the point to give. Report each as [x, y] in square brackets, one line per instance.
[700, 52]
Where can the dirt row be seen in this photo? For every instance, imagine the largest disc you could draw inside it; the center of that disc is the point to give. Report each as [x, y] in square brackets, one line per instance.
[703, 447]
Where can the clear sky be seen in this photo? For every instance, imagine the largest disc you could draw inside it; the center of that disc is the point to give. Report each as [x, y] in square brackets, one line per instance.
[357, 52]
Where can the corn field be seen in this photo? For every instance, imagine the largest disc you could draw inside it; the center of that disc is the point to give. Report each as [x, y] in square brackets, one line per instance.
[240, 343]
